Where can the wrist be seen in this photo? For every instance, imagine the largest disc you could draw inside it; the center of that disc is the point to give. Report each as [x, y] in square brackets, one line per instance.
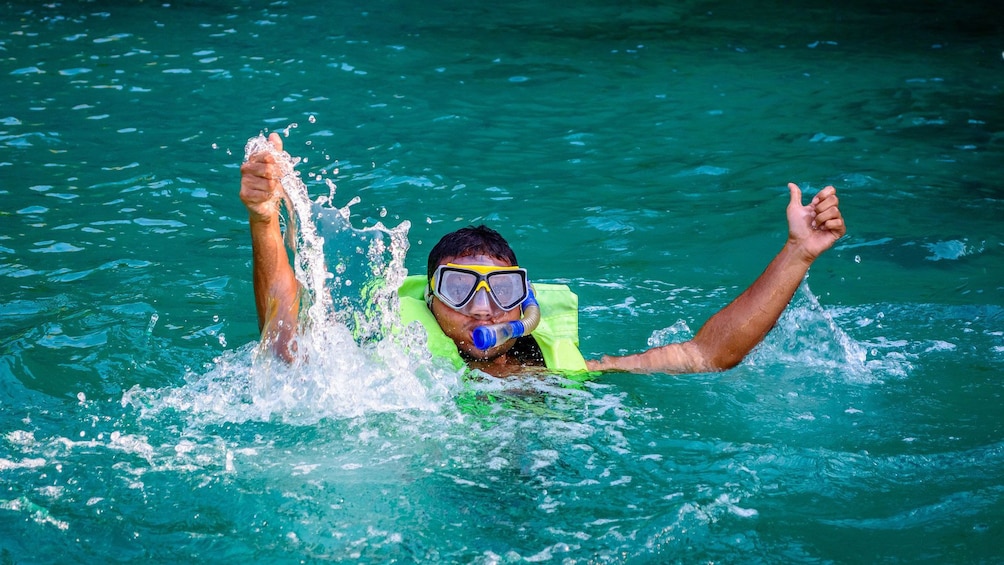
[265, 213]
[797, 251]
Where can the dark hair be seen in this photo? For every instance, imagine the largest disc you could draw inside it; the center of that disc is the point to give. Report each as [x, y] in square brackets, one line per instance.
[471, 240]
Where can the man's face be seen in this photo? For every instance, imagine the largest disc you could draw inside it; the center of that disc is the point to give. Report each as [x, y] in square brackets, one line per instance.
[481, 311]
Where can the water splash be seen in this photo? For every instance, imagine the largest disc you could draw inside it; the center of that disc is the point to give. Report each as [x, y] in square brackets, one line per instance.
[807, 336]
[353, 354]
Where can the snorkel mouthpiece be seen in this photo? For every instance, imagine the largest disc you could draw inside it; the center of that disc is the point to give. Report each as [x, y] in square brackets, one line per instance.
[485, 337]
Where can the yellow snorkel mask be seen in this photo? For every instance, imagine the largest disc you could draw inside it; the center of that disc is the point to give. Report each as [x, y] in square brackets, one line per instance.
[456, 285]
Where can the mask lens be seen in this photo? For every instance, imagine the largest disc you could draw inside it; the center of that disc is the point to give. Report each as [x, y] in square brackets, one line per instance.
[508, 288]
[456, 287]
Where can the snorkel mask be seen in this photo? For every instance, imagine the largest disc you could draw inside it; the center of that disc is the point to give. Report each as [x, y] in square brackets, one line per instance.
[457, 285]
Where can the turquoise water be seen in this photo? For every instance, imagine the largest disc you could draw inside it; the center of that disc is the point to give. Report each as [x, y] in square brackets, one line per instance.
[638, 153]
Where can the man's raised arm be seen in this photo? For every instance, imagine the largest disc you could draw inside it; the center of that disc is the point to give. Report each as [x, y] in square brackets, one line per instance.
[728, 336]
[276, 290]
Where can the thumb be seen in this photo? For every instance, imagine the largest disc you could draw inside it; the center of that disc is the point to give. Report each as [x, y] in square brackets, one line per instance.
[275, 140]
[796, 194]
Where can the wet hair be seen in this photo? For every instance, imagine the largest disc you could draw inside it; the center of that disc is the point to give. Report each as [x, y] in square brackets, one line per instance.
[471, 240]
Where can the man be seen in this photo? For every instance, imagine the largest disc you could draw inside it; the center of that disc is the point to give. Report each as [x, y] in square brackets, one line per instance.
[473, 281]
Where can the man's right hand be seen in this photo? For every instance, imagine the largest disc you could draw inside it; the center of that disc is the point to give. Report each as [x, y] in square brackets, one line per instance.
[261, 189]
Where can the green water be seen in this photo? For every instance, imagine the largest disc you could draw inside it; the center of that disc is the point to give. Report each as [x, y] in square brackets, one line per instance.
[637, 152]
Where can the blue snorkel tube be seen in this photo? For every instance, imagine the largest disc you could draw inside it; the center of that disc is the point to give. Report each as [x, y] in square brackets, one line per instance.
[489, 336]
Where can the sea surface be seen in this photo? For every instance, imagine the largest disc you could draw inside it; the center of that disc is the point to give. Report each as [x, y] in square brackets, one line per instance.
[636, 151]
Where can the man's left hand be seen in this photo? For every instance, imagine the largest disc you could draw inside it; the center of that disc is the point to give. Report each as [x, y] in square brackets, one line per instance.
[816, 227]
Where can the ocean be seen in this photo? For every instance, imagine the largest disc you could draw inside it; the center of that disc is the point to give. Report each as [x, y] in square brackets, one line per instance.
[637, 152]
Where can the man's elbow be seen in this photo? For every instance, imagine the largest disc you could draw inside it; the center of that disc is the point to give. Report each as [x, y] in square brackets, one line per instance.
[725, 363]
[716, 360]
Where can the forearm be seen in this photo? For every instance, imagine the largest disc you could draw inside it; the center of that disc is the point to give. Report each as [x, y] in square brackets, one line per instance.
[728, 336]
[276, 290]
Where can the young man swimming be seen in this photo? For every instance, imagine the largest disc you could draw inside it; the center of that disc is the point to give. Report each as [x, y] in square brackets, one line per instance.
[473, 281]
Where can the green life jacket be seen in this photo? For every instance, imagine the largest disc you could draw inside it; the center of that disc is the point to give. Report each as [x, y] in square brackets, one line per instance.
[557, 334]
